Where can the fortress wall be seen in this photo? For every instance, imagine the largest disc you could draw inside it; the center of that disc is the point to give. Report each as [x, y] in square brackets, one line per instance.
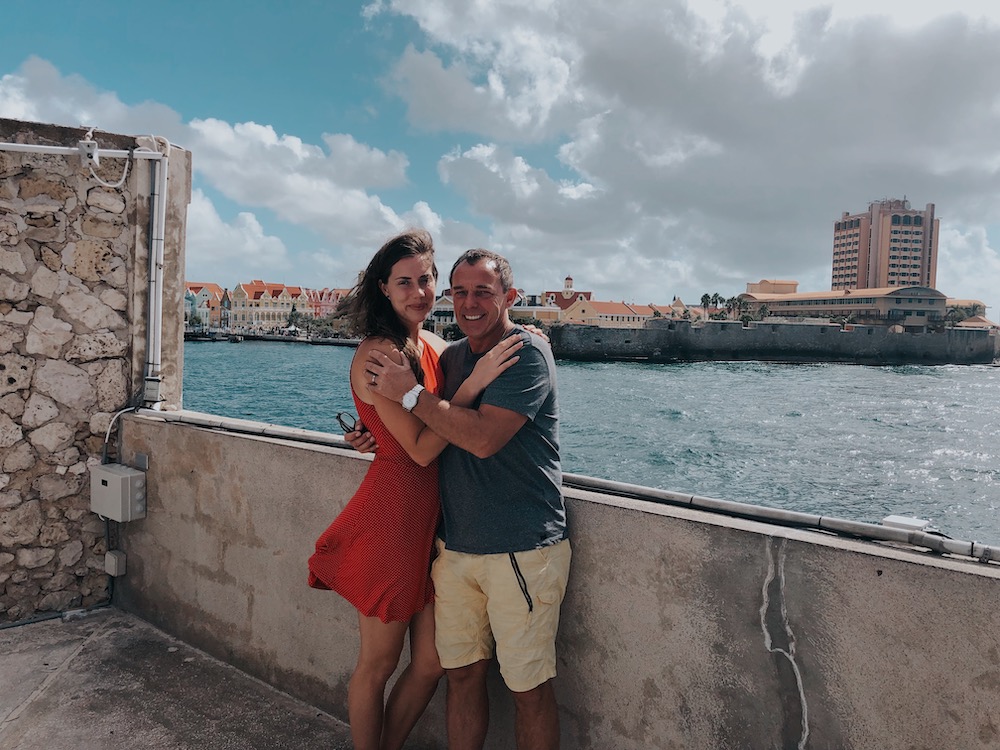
[665, 340]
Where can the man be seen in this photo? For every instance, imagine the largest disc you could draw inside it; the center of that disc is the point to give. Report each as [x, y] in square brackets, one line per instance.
[503, 556]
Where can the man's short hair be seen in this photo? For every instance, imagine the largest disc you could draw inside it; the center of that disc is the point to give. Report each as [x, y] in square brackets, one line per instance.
[499, 263]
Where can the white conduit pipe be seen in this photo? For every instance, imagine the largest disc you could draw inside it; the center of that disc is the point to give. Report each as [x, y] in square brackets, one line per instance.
[29, 148]
[871, 531]
[158, 223]
[982, 552]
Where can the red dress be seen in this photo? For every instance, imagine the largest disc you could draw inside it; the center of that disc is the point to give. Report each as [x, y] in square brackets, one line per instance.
[376, 553]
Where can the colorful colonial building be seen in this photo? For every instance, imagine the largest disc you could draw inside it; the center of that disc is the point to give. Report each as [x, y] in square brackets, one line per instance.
[264, 306]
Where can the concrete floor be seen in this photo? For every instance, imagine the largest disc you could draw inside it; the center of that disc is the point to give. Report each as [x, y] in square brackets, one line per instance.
[111, 680]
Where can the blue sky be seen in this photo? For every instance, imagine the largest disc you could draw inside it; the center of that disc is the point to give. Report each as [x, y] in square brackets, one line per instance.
[648, 148]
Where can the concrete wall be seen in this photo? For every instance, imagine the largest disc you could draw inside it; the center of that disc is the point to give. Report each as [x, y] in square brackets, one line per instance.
[681, 629]
[667, 340]
[73, 281]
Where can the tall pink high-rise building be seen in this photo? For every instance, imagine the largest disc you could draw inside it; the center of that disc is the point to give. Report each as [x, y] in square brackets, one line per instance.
[889, 245]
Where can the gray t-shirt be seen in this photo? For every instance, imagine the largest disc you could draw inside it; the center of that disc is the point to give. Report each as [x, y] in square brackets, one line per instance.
[511, 501]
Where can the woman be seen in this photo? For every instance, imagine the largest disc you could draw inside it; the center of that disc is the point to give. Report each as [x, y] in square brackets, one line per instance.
[376, 553]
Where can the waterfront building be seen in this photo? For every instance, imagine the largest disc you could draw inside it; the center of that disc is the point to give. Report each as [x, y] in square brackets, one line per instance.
[263, 306]
[323, 302]
[206, 303]
[565, 297]
[612, 314]
[442, 313]
[531, 307]
[889, 245]
[911, 307]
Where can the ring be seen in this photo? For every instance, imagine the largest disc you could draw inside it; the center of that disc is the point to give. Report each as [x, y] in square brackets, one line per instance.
[373, 378]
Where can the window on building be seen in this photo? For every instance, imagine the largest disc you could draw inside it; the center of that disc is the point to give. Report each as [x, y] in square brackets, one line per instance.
[896, 220]
[907, 221]
[918, 221]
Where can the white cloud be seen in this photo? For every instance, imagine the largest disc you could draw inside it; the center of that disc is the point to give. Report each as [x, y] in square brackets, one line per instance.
[218, 251]
[970, 266]
[681, 136]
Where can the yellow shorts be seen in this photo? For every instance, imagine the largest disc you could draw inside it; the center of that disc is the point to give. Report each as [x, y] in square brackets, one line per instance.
[482, 601]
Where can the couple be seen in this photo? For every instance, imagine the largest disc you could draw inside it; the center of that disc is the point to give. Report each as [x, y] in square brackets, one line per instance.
[487, 405]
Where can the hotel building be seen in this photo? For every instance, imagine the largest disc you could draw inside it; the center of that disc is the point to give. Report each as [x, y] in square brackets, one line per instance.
[889, 245]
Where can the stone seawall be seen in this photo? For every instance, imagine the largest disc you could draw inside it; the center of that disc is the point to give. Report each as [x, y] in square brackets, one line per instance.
[73, 281]
[681, 340]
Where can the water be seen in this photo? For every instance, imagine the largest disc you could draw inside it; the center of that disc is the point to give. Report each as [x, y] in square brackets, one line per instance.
[839, 440]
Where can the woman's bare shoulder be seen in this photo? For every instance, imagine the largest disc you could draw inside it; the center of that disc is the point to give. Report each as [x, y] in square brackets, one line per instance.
[437, 343]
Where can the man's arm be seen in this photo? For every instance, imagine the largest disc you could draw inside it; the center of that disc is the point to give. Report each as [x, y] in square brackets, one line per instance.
[482, 432]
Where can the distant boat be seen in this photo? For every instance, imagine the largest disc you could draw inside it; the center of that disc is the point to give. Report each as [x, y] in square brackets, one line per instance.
[235, 339]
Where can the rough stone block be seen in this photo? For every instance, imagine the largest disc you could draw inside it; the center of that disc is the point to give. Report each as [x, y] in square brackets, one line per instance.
[80, 306]
[88, 347]
[65, 383]
[53, 487]
[10, 432]
[71, 553]
[33, 187]
[34, 557]
[5, 557]
[10, 499]
[51, 259]
[11, 290]
[90, 260]
[59, 581]
[11, 261]
[112, 386]
[103, 226]
[52, 437]
[47, 334]
[58, 601]
[53, 534]
[47, 283]
[12, 404]
[15, 372]
[21, 524]
[9, 336]
[114, 299]
[21, 457]
[38, 410]
[106, 200]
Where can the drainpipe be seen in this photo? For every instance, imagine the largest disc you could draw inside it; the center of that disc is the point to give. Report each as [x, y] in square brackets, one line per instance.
[157, 223]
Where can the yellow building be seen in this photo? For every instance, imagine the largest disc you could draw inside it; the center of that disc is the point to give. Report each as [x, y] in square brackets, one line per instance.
[260, 306]
[890, 245]
[612, 314]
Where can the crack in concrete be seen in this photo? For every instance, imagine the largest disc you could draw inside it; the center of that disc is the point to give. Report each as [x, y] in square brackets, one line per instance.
[766, 614]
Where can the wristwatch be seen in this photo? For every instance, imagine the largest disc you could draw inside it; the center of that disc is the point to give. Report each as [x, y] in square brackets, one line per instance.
[411, 396]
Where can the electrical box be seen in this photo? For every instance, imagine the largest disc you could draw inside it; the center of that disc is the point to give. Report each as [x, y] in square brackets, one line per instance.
[118, 492]
[114, 563]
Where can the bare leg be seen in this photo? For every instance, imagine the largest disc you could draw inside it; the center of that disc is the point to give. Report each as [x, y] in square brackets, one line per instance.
[415, 687]
[468, 707]
[381, 645]
[536, 721]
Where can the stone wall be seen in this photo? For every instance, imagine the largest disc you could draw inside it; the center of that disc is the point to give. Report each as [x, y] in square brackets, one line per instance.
[73, 288]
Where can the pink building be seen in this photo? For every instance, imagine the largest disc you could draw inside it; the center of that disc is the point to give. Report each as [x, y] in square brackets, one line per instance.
[890, 245]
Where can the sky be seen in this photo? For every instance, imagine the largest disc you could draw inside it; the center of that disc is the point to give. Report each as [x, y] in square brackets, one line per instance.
[647, 148]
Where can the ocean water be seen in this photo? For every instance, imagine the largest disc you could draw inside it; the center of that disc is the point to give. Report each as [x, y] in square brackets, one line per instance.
[839, 440]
